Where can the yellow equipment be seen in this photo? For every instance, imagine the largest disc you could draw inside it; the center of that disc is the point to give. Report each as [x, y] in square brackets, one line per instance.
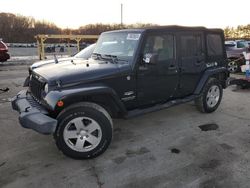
[42, 38]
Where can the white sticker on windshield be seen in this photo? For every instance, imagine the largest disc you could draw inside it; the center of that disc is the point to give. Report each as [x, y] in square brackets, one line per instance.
[133, 36]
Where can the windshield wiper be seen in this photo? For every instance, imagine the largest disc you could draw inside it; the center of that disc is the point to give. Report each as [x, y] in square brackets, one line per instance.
[114, 58]
[97, 55]
[108, 57]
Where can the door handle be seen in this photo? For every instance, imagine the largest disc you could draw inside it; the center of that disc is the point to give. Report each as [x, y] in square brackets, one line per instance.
[172, 67]
[199, 62]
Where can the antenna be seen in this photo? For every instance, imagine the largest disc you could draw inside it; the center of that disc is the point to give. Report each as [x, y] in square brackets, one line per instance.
[55, 58]
[121, 14]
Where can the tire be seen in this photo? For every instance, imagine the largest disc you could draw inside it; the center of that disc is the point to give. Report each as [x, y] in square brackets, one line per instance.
[84, 130]
[4, 56]
[233, 66]
[210, 97]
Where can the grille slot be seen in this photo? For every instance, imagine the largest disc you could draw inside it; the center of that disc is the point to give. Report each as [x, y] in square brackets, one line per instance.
[36, 87]
[34, 103]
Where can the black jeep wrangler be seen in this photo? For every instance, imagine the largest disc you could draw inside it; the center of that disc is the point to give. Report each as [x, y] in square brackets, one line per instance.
[130, 72]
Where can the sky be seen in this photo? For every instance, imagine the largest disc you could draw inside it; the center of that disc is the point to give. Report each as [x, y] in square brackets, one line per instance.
[75, 13]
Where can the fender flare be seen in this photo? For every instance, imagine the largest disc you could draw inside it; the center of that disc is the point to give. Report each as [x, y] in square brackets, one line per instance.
[207, 74]
[53, 97]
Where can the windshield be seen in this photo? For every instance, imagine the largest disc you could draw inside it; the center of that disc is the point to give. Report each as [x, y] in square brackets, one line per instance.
[119, 44]
[86, 52]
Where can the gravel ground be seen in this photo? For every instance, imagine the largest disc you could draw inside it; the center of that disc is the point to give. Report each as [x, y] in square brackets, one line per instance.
[163, 149]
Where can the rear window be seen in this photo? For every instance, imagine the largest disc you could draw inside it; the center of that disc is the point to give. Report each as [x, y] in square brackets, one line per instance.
[214, 45]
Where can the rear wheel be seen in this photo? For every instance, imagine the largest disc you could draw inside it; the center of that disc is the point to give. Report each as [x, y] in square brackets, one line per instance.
[233, 66]
[210, 97]
[84, 131]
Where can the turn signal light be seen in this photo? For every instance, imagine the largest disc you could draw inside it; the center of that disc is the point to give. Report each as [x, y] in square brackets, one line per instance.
[60, 103]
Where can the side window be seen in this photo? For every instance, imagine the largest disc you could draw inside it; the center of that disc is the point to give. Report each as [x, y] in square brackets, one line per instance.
[191, 45]
[241, 44]
[161, 46]
[214, 45]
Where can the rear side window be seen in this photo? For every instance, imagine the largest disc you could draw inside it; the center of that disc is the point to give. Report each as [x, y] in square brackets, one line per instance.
[214, 45]
[191, 45]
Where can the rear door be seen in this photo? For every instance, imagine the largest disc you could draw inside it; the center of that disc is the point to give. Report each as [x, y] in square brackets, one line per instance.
[191, 56]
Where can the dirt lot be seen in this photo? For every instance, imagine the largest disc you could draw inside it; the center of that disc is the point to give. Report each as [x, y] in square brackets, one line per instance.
[161, 149]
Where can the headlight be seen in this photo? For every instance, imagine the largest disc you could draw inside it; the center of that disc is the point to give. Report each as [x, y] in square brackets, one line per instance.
[46, 88]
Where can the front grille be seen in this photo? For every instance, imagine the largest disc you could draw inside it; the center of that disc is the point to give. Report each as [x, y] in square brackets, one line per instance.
[35, 104]
[36, 87]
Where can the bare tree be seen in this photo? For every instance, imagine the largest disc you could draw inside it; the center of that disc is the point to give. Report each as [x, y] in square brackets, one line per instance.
[18, 28]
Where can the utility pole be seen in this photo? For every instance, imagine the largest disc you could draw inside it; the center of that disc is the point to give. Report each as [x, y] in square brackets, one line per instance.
[121, 15]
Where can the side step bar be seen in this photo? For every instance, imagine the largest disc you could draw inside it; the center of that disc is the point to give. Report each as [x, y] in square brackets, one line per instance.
[137, 112]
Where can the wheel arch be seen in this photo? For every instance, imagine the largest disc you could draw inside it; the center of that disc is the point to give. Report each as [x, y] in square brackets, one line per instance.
[101, 95]
[221, 74]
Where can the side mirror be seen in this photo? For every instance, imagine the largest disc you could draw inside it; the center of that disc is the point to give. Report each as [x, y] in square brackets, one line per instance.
[149, 58]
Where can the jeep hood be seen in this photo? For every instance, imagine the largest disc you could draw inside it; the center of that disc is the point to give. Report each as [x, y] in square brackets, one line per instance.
[79, 71]
[51, 61]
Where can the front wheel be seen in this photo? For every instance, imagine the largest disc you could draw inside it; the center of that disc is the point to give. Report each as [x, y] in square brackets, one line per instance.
[84, 130]
[210, 97]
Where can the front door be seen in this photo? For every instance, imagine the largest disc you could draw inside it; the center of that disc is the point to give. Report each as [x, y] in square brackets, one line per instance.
[157, 80]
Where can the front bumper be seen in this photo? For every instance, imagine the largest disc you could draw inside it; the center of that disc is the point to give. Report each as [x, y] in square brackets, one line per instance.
[32, 114]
